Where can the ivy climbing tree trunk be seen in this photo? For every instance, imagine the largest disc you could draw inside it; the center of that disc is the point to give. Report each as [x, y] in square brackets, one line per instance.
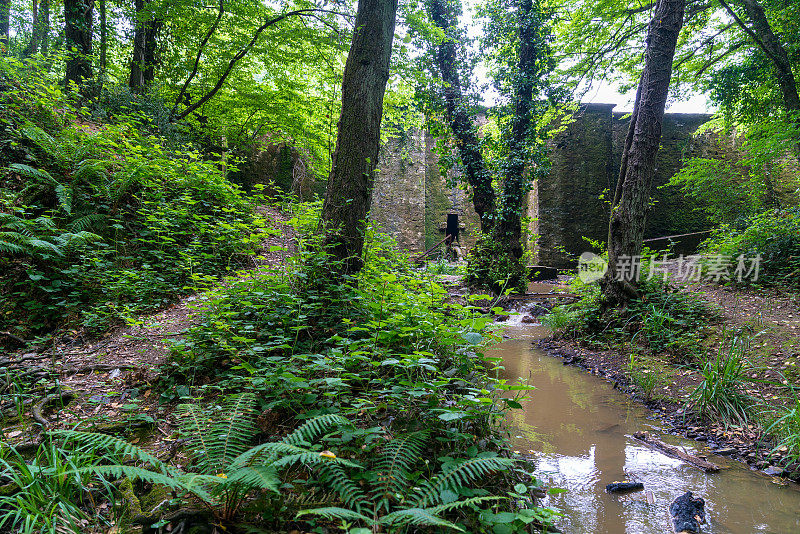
[347, 199]
[103, 38]
[478, 176]
[508, 231]
[78, 34]
[626, 226]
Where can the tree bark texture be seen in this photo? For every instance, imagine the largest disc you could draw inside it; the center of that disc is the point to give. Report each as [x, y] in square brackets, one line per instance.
[347, 199]
[626, 226]
[461, 124]
[144, 46]
[103, 37]
[33, 44]
[78, 34]
[44, 26]
[5, 15]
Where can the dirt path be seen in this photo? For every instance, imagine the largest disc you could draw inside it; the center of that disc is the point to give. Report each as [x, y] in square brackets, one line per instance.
[111, 379]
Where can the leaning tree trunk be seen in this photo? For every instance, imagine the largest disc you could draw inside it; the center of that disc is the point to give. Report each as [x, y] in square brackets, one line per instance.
[347, 199]
[508, 231]
[5, 15]
[475, 171]
[776, 52]
[626, 226]
[78, 34]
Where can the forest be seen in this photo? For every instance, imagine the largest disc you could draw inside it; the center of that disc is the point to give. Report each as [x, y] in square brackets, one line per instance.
[207, 326]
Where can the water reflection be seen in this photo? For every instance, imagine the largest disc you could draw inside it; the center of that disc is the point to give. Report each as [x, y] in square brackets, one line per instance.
[579, 430]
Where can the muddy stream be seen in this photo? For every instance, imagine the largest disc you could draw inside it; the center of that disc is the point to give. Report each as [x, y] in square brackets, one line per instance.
[578, 428]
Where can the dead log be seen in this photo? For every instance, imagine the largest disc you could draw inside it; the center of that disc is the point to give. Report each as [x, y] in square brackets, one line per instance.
[675, 452]
[687, 513]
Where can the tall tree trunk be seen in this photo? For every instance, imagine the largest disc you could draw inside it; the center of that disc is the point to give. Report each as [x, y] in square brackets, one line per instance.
[44, 25]
[151, 48]
[33, 44]
[78, 34]
[136, 80]
[347, 199]
[509, 226]
[761, 32]
[626, 226]
[103, 39]
[5, 15]
[464, 131]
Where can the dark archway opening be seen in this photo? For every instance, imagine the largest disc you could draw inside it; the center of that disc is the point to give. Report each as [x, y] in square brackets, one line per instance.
[452, 227]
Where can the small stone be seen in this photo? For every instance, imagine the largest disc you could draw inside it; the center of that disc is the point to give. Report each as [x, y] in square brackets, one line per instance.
[773, 471]
[725, 451]
[528, 319]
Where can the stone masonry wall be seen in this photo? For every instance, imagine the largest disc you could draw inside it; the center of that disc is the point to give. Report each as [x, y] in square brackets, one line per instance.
[398, 198]
[411, 199]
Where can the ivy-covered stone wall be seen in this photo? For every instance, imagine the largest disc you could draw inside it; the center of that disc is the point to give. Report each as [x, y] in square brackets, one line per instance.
[412, 200]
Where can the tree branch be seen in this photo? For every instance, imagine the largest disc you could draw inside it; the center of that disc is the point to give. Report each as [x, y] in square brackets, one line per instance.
[197, 59]
[241, 53]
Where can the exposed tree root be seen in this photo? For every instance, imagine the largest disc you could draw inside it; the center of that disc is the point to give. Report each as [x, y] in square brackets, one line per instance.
[63, 397]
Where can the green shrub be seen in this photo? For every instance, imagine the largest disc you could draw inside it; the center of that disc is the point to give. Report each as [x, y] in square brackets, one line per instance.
[772, 235]
[113, 223]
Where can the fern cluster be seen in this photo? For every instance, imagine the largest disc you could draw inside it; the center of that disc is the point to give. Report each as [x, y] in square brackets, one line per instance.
[225, 470]
[393, 502]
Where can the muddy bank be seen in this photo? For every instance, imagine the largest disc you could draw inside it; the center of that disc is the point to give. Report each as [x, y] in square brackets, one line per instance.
[744, 443]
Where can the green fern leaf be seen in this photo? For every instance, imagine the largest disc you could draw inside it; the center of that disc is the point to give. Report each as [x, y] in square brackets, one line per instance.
[230, 437]
[463, 474]
[34, 174]
[334, 513]
[115, 446]
[440, 509]
[263, 477]
[60, 151]
[419, 517]
[316, 427]
[396, 460]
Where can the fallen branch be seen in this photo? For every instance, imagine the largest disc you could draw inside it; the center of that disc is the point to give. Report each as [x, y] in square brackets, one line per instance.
[675, 452]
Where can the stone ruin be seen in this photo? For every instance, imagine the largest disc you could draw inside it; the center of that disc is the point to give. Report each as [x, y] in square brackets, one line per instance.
[413, 201]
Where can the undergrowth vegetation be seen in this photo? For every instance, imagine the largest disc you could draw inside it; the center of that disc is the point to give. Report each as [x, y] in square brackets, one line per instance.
[387, 351]
[99, 222]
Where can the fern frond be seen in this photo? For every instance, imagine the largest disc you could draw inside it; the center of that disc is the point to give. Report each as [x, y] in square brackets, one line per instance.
[396, 460]
[333, 513]
[194, 426]
[115, 446]
[316, 427]
[420, 517]
[33, 173]
[333, 476]
[230, 437]
[263, 477]
[91, 171]
[85, 222]
[60, 151]
[41, 244]
[464, 502]
[463, 474]
[189, 483]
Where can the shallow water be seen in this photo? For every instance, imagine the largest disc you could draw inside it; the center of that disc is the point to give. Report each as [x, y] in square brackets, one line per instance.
[579, 430]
